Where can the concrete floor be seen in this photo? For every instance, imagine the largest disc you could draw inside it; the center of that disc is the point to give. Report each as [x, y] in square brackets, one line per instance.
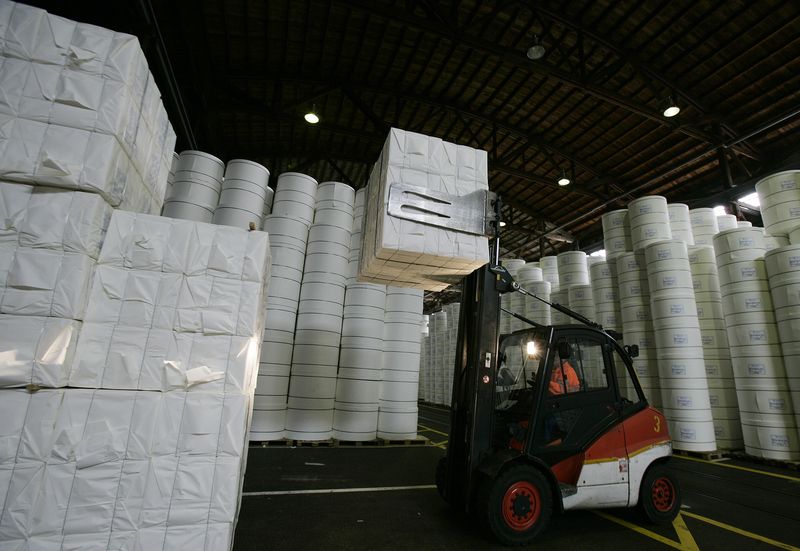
[383, 498]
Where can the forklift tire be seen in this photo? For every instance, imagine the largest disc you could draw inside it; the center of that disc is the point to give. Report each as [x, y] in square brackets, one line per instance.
[516, 505]
[441, 476]
[659, 496]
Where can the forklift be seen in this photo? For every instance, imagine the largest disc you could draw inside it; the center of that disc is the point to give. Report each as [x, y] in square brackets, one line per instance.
[546, 419]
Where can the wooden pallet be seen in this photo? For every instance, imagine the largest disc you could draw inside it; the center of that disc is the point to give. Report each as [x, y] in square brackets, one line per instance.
[783, 464]
[708, 456]
[435, 406]
[286, 442]
[358, 443]
[289, 443]
[418, 441]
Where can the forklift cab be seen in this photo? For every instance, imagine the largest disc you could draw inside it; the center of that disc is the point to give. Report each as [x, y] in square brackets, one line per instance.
[558, 388]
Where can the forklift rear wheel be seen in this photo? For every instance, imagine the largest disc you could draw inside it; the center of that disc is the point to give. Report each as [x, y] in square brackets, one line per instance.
[518, 505]
[659, 496]
[441, 476]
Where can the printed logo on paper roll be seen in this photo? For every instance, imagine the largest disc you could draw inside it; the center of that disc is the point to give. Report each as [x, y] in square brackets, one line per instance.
[788, 184]
[794, 212]
[640, 315]
[745, 241]
[748, 272]
[649, 233]
[645, 209]
[779, 440]
[641, 370]
[794, 261]
[635, 290]
[700, 312]
[707, 340]
[752, 303]
[664, 254]
[684, 401]
[777, 404]
[712, 369]
[758, 336]
[678, 369]
[668, 281]
[688, 434]
[713, 399]
[610, 295]
[676, 309]
[696, 284]
[680, 339]
[693, 258]
[756, 369]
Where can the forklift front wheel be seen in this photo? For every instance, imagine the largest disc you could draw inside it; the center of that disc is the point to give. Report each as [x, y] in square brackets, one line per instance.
[659, 496]
[517, 505]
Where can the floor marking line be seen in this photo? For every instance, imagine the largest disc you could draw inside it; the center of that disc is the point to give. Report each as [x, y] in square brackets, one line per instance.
[642, 531]
[424, 428]
[684, 535]
[339, 490]
[748, 469]
[442, 444]
[741, 532]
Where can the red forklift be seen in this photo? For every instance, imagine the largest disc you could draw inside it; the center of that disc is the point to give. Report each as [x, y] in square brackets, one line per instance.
[545, 419]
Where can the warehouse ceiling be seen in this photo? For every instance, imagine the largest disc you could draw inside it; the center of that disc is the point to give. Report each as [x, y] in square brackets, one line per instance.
[238, 75]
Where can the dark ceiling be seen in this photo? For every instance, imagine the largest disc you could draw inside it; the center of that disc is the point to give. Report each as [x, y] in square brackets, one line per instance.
[238, 75]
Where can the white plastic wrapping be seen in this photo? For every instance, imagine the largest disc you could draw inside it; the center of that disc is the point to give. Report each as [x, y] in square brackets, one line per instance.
[117, 468]
[137, 358]
[60, 95]
[410, 254]
[198, 304]
[36, 351]
[91, 467]
[50, 218]
[162, 244]
[32, 34]
[70, 81]
[44, 282]
[40, 153]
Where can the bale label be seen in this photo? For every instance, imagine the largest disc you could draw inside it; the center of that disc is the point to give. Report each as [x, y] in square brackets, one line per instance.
[779, 440]
[756, 369]
[777, 404]
[752, 303]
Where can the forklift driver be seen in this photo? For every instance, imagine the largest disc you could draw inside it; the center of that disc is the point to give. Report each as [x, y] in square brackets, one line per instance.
[564, 379]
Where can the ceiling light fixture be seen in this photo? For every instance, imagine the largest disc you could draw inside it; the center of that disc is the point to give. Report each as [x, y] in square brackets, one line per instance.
[502, 224]
[563, 181]
[671, 108]
[536, 51]
[311, 117]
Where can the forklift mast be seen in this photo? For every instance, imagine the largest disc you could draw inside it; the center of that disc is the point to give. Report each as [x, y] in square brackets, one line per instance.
[473, 384]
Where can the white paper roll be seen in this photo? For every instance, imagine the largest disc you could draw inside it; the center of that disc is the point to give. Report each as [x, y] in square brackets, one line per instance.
[187, 211]
[199, 161]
